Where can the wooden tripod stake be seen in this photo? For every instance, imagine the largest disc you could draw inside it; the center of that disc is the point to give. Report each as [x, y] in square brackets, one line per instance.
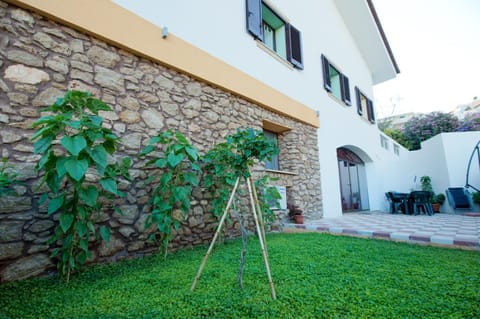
[260, 232]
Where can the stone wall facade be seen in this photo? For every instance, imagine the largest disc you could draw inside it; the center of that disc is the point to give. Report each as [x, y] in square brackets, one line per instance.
[40, 60]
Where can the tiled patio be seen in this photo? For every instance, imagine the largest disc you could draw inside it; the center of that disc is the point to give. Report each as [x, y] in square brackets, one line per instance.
[440, 229]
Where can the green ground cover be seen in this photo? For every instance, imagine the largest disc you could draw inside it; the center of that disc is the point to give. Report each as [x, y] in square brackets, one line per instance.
[315, 275]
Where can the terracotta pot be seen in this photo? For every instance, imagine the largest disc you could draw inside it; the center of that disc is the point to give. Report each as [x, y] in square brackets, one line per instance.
[436, 208]
[298, 219]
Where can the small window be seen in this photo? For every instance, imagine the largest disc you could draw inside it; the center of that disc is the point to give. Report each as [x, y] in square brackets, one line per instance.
[364, 106]
[281, 37]
[272, 164]
[384, 142]
[335, 82]
[396, 149]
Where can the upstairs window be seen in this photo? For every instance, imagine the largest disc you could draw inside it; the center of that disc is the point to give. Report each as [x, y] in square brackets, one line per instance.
[364, 106]
[335, 82]
[281, 37]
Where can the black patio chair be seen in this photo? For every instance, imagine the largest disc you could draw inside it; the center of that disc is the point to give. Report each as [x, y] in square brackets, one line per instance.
[420, 201]
[398, 202]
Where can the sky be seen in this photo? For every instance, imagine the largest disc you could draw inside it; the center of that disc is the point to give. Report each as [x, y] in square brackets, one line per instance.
[436, 44]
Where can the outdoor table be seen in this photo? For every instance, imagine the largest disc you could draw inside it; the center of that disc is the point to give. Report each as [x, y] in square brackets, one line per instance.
[420, 201]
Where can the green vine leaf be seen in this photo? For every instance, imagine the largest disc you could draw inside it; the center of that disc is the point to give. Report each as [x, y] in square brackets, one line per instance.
[110, 185]
[105, 233]
[76, 168]
[99, 156]
[42, 144]
[55, 204]
[192, 153]
[74, 145]
[174, 159]
[66, 220]
[89, 195]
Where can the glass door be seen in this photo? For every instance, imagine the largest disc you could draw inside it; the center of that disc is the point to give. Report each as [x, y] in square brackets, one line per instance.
[350, 168]
[349, 185]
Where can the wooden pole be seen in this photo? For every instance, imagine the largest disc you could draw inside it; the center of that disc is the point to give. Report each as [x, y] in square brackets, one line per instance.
[259, 212]
[222, 220]
[262, 244]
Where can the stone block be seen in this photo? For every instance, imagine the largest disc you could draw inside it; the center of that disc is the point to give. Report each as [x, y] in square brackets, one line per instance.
[10, 136]
[24, 74]
[49, 43]
[103, 57]
[41, 226]
[126, 231]
[47, 97]
[153, 119]
[10, 250]
[11, 204]
[111, 247]
[24, 58]
[58, 64]
[26, 267]
[109, 79]
[22, 16]
[10, 230]
[130, 117]
[129, 214]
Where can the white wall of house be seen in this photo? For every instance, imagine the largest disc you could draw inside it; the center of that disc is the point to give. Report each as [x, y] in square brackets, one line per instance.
[219, 27]
[444, 158]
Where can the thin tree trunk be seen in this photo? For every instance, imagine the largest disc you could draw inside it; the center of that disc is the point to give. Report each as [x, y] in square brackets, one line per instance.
[243, 253]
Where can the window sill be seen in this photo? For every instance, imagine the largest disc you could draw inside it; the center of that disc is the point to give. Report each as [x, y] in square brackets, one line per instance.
[280, 172]
[336, 99]
[274, 54]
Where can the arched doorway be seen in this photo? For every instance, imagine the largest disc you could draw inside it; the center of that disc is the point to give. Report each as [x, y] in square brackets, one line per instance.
[353, 186]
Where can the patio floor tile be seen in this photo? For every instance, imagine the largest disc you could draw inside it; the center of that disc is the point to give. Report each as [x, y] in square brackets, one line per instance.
[443, 229]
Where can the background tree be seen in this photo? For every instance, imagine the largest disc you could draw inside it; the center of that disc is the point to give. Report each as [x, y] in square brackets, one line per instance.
[422, 127]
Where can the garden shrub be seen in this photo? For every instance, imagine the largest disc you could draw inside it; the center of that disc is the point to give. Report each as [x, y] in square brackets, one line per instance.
[178, 164]
[72, 141]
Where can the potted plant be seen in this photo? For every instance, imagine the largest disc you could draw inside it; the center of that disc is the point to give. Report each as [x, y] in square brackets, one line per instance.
[476, 198]
[295, 213]
[437, 201]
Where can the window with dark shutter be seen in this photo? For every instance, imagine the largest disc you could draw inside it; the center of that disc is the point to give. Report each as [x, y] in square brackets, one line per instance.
[277, 35]
[345, 90]
[294, 46]
[326, 74]
[364, 106]
[371, 114]
[359, 102]
[254, 18]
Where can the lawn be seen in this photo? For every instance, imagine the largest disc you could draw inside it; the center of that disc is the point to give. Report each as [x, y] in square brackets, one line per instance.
[315, 276]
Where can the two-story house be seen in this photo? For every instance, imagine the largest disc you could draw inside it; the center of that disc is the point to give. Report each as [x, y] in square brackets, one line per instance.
[326, 55]
[300, 71]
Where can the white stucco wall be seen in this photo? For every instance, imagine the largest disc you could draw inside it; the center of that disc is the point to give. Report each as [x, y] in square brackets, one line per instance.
[444, 158]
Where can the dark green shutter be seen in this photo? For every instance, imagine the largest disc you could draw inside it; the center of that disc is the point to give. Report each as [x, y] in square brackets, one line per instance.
[254, 18]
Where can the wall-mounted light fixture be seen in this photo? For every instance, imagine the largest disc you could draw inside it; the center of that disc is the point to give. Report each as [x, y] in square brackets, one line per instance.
[164, 32]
